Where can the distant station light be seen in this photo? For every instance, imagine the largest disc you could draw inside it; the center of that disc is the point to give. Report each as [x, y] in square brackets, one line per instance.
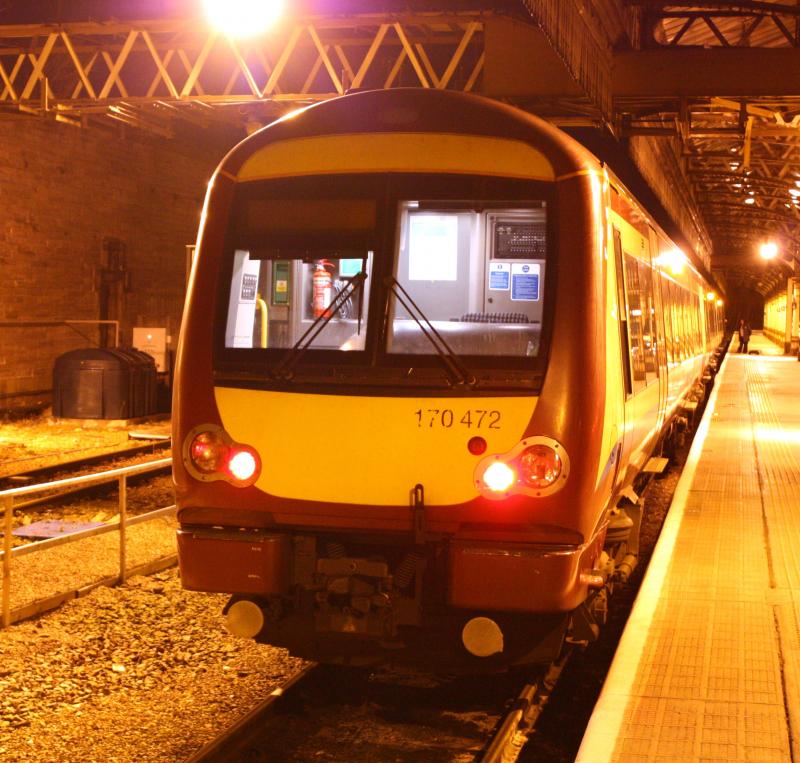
[243, 18]
[768, 250]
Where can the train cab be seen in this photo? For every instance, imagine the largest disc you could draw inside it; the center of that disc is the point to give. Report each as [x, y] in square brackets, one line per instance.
[401, 387]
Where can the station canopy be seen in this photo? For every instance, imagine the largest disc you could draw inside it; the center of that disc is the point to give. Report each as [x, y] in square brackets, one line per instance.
[706, 92]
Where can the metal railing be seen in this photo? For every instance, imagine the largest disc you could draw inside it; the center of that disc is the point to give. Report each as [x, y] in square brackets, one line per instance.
[120, 475]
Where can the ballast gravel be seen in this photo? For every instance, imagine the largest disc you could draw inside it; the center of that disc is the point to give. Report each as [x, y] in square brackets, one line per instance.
[143, 672]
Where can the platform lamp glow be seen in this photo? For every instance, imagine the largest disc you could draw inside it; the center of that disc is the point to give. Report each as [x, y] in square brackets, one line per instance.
[768, 250]
[239, 19]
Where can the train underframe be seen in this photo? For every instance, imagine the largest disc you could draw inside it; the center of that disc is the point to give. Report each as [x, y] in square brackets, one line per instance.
[371, 599]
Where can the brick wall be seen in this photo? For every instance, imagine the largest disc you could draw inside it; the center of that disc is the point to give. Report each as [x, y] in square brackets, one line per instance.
[64, 191]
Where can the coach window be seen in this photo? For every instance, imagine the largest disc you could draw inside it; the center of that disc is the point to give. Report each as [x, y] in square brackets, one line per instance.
[697, 307]
[649, 337]
[637, 305]
[688, 314]
[676, 311]
[666, 302]
[690, 321]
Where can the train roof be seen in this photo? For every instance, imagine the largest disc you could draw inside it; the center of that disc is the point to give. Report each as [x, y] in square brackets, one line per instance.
[409, 110]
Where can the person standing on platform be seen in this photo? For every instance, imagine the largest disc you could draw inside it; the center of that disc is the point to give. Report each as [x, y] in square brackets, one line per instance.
[744, 336]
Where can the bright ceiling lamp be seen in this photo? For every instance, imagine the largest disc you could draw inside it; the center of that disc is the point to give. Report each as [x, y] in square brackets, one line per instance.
[768, 250]
[243, 18]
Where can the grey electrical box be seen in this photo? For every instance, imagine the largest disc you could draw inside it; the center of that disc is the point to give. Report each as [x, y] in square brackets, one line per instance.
[515, 266]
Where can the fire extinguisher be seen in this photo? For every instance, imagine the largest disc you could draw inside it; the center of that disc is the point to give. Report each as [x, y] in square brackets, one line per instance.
[322, 286]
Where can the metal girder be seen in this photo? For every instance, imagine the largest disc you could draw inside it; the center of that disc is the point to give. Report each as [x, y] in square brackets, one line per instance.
[89, 67]
[686, 22]
[581, 34]
[706, 73]
[720, 23]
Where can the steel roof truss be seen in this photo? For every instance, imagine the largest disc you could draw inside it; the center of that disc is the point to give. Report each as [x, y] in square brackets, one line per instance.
[83, 75]
[200, 61]
[37, 73]
[161, 66]
[323, 54]
[8, 79]
[372, 51]
[116, 66]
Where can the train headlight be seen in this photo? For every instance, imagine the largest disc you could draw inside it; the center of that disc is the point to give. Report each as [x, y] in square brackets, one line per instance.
[539, 466]
[210, 454]
[536, 466]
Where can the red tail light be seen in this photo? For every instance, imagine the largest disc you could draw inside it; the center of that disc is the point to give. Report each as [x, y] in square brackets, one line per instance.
[242, 463]
[499, 477]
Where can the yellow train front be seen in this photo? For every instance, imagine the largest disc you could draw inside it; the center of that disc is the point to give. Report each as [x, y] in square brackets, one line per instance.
[400, 395]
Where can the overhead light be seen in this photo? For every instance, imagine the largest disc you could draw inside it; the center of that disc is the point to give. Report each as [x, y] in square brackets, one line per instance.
[749, 200]
[768, 250]
[794, 192]
[243, 18]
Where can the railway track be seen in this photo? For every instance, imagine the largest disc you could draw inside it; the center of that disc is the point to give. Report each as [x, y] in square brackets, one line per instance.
[49, 500]
[73, 466]
[327, 713]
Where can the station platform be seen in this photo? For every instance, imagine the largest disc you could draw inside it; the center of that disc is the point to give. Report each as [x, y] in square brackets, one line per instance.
[708, 668]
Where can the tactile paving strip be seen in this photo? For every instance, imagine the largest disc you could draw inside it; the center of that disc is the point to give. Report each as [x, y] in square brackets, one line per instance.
[709, 666]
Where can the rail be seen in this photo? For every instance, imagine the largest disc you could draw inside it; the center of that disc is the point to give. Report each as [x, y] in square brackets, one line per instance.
[120, 475]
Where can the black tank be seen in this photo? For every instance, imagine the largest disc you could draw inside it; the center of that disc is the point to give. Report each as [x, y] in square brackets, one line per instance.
[98, 383]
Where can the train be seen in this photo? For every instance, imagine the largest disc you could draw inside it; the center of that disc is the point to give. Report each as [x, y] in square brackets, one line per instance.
[430, 348]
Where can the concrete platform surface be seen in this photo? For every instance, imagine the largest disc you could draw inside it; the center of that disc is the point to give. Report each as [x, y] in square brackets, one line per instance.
[708, 668]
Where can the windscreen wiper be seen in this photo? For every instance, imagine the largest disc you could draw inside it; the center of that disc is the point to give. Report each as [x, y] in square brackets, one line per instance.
[457, 372]
[285, 369]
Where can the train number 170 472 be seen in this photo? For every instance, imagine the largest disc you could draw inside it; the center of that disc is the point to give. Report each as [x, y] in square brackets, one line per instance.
[472, 418]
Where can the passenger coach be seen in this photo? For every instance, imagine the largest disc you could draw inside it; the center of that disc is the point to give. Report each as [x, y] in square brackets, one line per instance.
[429, 345]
